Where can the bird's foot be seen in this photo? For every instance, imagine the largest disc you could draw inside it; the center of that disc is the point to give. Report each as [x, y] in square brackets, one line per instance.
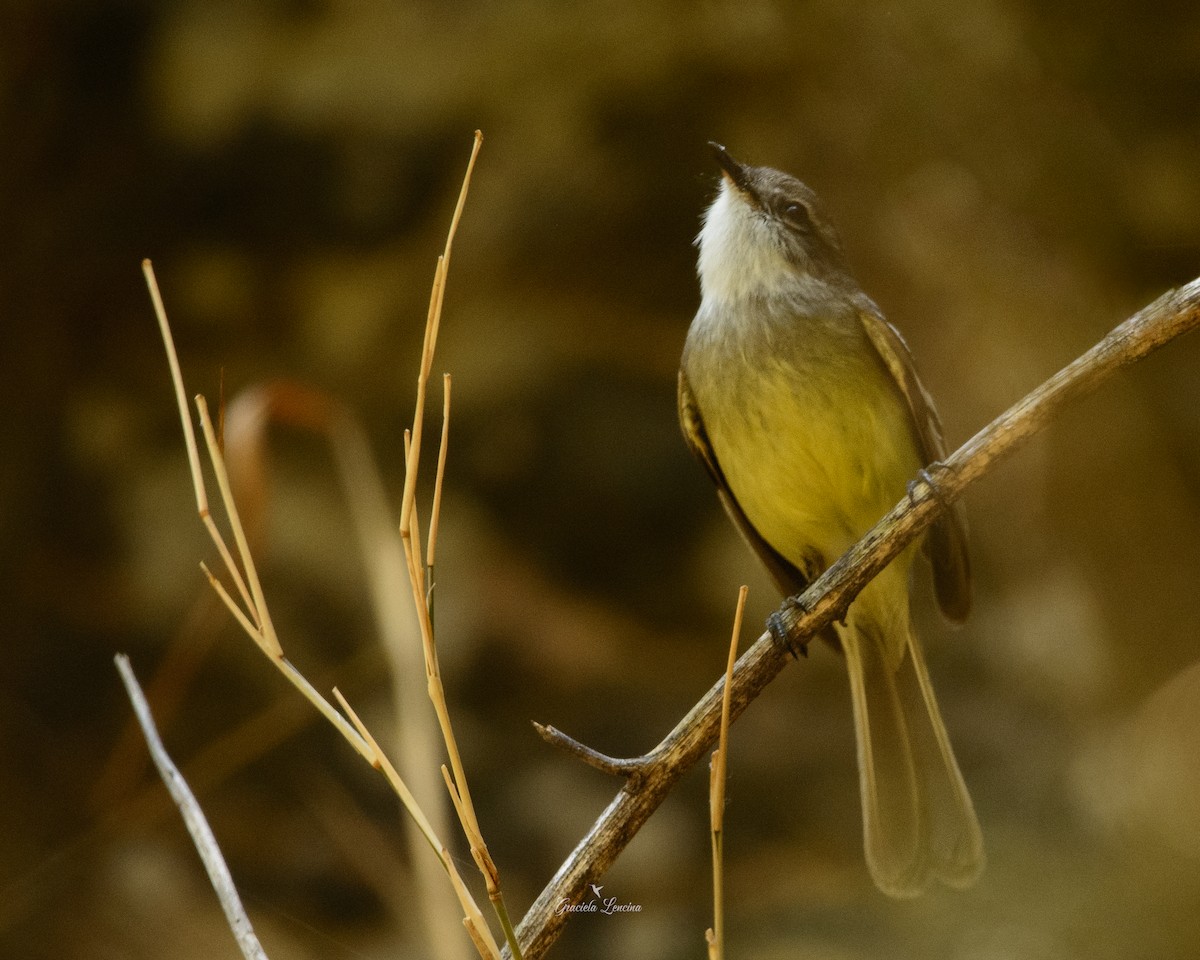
[934, 486]
[779, 631]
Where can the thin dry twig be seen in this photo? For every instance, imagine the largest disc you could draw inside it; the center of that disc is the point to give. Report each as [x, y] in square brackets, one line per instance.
[193, 817]
[593, 758]
[650, 778]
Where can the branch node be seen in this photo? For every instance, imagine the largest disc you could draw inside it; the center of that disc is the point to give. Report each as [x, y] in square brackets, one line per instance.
[593, 758]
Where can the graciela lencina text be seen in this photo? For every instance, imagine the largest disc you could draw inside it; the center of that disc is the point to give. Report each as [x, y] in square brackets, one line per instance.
[607, 906]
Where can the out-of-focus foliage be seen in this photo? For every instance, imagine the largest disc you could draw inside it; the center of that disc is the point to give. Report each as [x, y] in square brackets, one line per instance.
[1011, 179]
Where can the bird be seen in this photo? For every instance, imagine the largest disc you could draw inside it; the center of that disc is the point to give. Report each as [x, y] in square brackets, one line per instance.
[804, 406]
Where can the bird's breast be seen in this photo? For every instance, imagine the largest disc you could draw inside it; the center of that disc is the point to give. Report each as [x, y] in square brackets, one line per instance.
[812, 436]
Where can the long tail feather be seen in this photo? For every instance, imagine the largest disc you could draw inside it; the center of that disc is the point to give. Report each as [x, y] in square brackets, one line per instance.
[918, 820]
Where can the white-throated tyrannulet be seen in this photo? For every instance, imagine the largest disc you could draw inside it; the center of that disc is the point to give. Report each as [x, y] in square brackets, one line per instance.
[803, 404]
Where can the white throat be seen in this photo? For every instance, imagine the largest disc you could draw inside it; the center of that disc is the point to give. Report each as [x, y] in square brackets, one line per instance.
[742, 255]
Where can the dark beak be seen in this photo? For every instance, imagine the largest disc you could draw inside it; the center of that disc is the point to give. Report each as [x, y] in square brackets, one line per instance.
[733, 171]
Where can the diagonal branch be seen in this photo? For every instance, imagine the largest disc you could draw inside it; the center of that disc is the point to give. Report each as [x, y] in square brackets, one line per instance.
[651, 777]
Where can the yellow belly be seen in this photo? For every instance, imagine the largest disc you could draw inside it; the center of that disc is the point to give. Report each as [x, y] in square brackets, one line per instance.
[816, 451]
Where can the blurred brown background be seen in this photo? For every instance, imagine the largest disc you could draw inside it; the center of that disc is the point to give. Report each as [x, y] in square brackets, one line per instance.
[1011, 180]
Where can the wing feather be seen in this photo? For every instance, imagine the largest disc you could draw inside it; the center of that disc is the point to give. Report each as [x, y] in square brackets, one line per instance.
[947, 539]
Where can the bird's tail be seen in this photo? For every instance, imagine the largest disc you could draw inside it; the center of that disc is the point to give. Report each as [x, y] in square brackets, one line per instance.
[918, 820]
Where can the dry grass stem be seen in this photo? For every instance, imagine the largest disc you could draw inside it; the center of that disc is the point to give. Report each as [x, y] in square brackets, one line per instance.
[189, 433]
[189, 437]
[380, 761]
[253, 615]
[255, 618]
[420, 575]
[258, 606]
[720, 759]
[432, 325]
[436, 508]
[232, 606]
[324, 707]
[715, 937]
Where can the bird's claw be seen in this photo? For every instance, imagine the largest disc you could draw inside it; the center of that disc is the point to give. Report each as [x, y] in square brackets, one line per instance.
[935, 488]
[779, 631]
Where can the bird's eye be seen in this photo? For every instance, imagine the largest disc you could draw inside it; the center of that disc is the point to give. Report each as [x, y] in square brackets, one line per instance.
[797, 215]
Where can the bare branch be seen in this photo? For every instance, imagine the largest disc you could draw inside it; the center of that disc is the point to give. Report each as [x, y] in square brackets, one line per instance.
[1171, 315]
[193, 818]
